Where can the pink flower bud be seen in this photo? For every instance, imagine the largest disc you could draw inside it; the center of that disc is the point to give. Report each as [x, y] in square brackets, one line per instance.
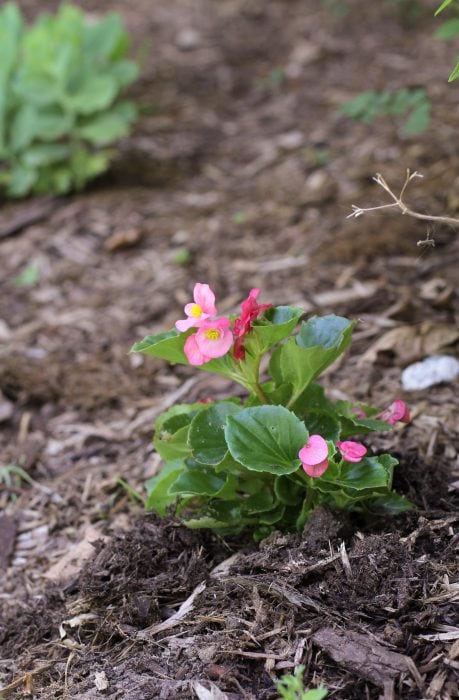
[314, 456]
[351, 451]
[396, 412]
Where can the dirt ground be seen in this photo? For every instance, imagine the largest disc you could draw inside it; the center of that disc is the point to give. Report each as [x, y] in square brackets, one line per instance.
[240, 173]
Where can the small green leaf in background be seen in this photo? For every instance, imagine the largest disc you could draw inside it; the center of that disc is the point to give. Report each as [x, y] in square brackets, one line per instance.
[443, 6]
[290, 687]
[28, 277]
[61, 84]
[266, 438]
[182, 256]
[455, 74]
[240, 217]
[448, 30]
[412, 103]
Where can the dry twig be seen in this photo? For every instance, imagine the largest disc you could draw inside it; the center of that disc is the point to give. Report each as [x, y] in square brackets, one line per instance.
[400, 204]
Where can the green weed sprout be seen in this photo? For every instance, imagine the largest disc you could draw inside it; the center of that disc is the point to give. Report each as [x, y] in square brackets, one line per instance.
[371, 104]
[290, 687]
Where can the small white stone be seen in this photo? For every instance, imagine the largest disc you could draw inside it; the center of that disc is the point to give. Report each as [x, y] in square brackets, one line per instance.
[188, 39]
[290, 140]
[432, 370]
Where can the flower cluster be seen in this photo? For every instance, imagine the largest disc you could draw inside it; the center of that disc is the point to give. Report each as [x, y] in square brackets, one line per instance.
[214, 337]
[314, 456]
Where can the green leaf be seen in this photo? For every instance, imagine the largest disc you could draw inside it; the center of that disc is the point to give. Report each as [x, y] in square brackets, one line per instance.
[351, 424]
[166, 346]
[316, 694]
[105, 128]
[158, 487]
[328, 332]
[202, 482]
[258, 503]
[277, 324]
[318, 344]
[31, 123]
[21, 180]
[370, 473]
[207, 432]
[272, 516]
[171, 430]
[124, 72]
[418, 121]
[28, 277]
[322, 423]
[96, 93]
[391, 503]
[172, 445]
[266, 438]
[288, 491]
[45, 154]
[448, 30]
[106, 39]
[169, 346]
[455, 74]
[443, 6]
[37, 90]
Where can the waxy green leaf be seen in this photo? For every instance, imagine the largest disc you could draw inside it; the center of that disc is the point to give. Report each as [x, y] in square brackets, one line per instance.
[166, 346]
[301, 359]
[159, 497]
[277, 324]
[207, 432]
[200, 482]
[266, 438]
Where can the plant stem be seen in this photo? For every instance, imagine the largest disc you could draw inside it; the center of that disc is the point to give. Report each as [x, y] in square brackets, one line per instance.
[258, 391]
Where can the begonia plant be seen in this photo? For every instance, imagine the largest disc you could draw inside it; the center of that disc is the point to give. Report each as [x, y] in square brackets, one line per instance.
[264, 462]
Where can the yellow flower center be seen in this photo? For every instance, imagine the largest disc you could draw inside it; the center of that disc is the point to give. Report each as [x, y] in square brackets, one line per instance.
[196, 311]
[213, 334]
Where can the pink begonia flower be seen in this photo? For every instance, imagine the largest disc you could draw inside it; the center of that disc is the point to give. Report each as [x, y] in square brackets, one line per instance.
[358, 412]
[202, 308]
[396, 411]
[250, 310]
[351, 451]
[314, 456]
[213, 339]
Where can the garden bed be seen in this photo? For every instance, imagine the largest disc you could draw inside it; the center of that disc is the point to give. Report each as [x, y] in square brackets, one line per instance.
[240, 174]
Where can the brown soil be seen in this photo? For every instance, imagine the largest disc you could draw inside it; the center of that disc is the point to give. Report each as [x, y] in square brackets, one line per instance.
[242, 163]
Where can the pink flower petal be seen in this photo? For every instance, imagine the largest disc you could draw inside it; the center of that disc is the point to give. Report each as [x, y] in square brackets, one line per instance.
[395, 412]
[185, 324]
[315, 451]
[193, 353]
[214, 342]
[316, 470]
[205, 298]
[352, 451]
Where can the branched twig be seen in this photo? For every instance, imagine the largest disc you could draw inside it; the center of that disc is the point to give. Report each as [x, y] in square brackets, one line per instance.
[400, 204]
